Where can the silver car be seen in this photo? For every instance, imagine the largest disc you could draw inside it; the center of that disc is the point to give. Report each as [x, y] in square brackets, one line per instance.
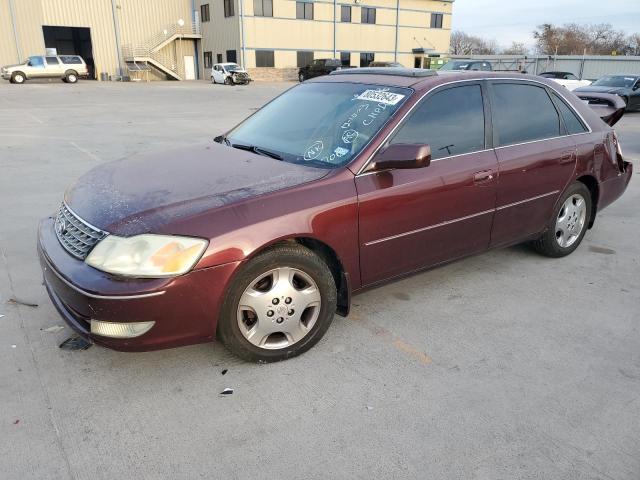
[69, 68]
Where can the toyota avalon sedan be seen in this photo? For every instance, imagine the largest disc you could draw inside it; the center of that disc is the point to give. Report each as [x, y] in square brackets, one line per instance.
[337, 185]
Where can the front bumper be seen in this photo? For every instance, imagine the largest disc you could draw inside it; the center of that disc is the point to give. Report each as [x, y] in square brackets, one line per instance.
[184, 309]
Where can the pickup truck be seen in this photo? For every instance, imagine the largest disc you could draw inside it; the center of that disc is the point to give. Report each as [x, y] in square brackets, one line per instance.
[319, 67]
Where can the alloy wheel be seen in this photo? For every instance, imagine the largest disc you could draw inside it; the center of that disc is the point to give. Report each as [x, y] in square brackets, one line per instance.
[279, 308]
[570, 221]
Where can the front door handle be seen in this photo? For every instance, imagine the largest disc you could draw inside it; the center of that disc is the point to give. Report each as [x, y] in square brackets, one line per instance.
[483, 177]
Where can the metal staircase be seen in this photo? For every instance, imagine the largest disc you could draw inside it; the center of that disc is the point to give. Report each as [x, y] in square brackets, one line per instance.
[151, 51]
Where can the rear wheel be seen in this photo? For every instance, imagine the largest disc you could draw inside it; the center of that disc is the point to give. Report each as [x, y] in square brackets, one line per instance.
[71, 76]
[18, 77]
[278, 306]
[567, 227]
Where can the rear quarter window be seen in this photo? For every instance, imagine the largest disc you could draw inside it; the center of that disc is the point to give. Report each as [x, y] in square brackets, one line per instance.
[68, 60]
[571, 121]
[523, 113]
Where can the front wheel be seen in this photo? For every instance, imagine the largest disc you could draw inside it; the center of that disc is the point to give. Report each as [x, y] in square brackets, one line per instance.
[279, 305]
[228, 81]
[301, 77]
[569, 223]
[18, 77]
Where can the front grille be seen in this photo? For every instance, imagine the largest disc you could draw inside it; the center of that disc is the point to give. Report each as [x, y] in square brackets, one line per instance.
[76, 235]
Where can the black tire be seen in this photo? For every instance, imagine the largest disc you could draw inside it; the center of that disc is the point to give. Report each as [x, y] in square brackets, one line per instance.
[290, 255]
[548, 243]
[18, 77]
[71, 76]
[228, 81]
[301, 77]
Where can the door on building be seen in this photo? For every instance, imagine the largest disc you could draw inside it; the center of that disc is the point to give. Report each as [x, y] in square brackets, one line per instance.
[71, 41]
[189, 68]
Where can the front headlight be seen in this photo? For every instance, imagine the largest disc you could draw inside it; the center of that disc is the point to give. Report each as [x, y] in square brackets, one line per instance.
[150, 256]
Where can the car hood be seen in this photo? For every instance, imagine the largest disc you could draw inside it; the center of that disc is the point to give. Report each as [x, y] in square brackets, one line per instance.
[601, 89]
[7, 67]
[144, 194]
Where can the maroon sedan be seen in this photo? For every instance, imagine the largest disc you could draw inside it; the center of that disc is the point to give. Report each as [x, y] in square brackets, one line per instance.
[337, 185]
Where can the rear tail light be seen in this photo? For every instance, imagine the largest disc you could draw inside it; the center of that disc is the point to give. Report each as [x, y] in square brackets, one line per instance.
[618, 152]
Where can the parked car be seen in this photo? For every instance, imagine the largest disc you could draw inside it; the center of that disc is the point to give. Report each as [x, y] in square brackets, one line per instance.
[625, 86]
[386, 64]
[566, 79]
[320, 66]
[470, 65]
[229, 74]
[337, 185]
[69, 68]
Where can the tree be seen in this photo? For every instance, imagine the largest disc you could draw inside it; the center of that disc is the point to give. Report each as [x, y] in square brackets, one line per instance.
[465, 44]
[574, 39]
[516, 48]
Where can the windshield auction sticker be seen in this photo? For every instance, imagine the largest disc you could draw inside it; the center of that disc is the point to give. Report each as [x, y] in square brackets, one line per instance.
[380, 96]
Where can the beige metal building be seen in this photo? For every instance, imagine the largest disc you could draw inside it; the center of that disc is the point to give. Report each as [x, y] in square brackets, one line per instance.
[110, 34]
[286, 34]
[182, 39]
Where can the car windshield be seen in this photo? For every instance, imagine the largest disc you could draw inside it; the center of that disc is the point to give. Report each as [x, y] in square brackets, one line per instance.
[232, 67]
[455, 65]
[614, 81]
[320, 124]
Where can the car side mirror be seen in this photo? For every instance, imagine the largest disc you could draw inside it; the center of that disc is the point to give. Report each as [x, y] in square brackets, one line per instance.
[402, 156]
[636, 87]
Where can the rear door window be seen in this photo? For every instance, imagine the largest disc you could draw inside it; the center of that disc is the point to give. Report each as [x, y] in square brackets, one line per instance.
[523, 113]
[451, 121]
[52, 61]
[571, 121]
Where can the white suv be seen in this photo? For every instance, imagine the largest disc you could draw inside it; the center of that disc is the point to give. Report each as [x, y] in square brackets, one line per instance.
[66, 67]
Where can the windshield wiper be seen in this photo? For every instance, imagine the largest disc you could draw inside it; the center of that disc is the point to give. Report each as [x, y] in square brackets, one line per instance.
[258, 150]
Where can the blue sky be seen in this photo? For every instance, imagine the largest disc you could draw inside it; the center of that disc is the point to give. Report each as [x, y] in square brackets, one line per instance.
[514, 20]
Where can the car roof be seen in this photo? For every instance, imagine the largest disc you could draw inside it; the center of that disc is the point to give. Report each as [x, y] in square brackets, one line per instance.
[417, 78]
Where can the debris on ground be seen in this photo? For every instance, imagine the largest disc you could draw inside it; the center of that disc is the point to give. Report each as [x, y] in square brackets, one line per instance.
[13, 346]
[75, 343]
[16, 422]
[54, 329]
[227, 391]
[1, 315]
[369, 407]
[224, 372]
[16, 301]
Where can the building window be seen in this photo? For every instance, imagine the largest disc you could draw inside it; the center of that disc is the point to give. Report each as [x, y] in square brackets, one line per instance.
[263, 8]
[218, 58]
[204, 13]
[345, 13]
[345, 59]
[436, 20]
[304, 10]
[228, 8]
[231, 56]
[208, 59]
[366, 58]
[368, 15]
[264, 58]
[305, 58]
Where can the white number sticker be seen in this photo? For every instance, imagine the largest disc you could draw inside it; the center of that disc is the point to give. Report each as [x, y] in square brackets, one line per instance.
[380, 96]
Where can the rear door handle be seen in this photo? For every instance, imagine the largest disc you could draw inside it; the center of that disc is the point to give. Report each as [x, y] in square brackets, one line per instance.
[567, 157]
[483, 177]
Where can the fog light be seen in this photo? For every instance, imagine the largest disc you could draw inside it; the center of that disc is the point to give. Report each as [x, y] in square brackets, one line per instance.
[120, 330]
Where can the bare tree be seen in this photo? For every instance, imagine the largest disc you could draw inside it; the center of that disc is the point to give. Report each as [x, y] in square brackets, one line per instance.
[574, 39]
[516, 48]
[465, 44]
